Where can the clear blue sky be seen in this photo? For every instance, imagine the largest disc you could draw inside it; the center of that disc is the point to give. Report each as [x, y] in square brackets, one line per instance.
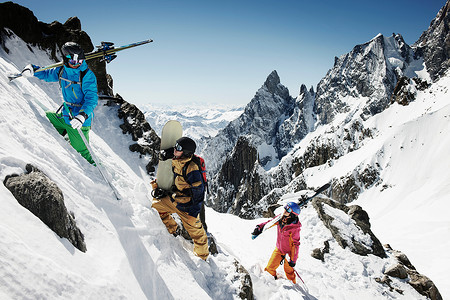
[222, 51]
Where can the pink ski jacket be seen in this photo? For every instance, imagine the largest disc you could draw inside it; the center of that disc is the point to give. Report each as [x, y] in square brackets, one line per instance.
[288, 238]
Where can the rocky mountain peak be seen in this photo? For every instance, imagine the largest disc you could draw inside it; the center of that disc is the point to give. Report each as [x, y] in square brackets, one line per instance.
[434, 44]
[370, 70]
[272, 82]
[19, 19]
[303, 89]
[73, 23]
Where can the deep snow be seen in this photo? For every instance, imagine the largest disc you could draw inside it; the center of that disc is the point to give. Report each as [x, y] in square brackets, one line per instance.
[130, 254]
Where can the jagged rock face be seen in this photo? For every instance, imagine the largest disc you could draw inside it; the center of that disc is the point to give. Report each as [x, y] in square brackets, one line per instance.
[434, 44]
[406, 271]
[271, 105]
[236, 168]
[272, 120]
[369, 70]
[21, 20]
[403, 93]
[346, 189]
[37, 193]
[332, 145]
[245, 285]
[406, 89]
[50, 36]
[135, 124]
[299, 123]
[260, 121]
[249, 193]
[362, 241]
[234, 172]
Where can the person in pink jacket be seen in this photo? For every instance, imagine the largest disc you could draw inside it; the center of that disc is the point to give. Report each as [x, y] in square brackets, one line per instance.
[288, 241]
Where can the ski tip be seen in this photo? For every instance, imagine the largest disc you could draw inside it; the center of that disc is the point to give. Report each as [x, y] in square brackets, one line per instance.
[323, 188]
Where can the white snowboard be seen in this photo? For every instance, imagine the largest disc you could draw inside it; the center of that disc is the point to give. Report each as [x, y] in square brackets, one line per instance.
[171, 132]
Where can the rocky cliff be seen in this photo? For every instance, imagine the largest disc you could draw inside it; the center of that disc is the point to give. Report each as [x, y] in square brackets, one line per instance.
[434, 44]
[50, 37]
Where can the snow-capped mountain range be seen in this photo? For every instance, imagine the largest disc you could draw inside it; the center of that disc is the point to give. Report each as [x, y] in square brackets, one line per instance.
[198, 119]
[388, 158]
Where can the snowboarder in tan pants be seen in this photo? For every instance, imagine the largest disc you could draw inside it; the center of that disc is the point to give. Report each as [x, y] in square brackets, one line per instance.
[188, 197]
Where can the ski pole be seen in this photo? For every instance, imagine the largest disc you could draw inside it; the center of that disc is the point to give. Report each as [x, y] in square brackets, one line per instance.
[94, 157]
[98, 165]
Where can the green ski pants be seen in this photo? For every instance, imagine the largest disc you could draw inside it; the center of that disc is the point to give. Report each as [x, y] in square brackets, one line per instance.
[74, 137]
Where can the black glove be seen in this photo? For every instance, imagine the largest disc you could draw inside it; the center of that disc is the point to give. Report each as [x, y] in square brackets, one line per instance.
[292, 263]
[258, 230]
[159, 193]
[166, 154]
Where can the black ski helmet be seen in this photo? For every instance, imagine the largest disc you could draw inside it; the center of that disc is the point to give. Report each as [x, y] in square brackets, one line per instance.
[71, 50]
[187, 145]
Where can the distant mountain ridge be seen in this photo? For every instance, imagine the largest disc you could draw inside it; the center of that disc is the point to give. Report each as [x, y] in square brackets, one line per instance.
[198, 120]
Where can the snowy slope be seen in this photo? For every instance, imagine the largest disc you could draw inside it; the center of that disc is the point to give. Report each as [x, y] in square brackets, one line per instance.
[130, 254]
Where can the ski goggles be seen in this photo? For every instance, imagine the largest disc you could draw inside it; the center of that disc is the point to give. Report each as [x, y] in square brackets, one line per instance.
[289, 209]
[74, 62]
[178, 147]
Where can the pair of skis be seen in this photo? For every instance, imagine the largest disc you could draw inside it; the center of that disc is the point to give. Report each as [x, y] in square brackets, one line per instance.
[106, 52]
[302, 202]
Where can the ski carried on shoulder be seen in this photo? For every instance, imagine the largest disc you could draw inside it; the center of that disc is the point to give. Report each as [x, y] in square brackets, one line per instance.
[301, 202]
[106, 52]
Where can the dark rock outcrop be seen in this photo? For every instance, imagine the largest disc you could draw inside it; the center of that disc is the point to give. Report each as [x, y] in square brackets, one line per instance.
[135, 124]
[236, 171]
[405, 90]
[357, 244]
[347, 188]
[41, 196]
[242, 160]
[245, 285]
[320, 253]
[434, 44]
[406, 271]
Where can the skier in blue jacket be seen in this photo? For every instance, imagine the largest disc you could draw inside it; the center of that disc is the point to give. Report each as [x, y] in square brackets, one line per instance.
[79, 90]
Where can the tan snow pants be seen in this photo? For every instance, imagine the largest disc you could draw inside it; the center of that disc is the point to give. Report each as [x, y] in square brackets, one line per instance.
[193, 226]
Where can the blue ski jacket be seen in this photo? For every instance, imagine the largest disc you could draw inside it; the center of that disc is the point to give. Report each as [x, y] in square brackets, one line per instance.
[79, 97]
